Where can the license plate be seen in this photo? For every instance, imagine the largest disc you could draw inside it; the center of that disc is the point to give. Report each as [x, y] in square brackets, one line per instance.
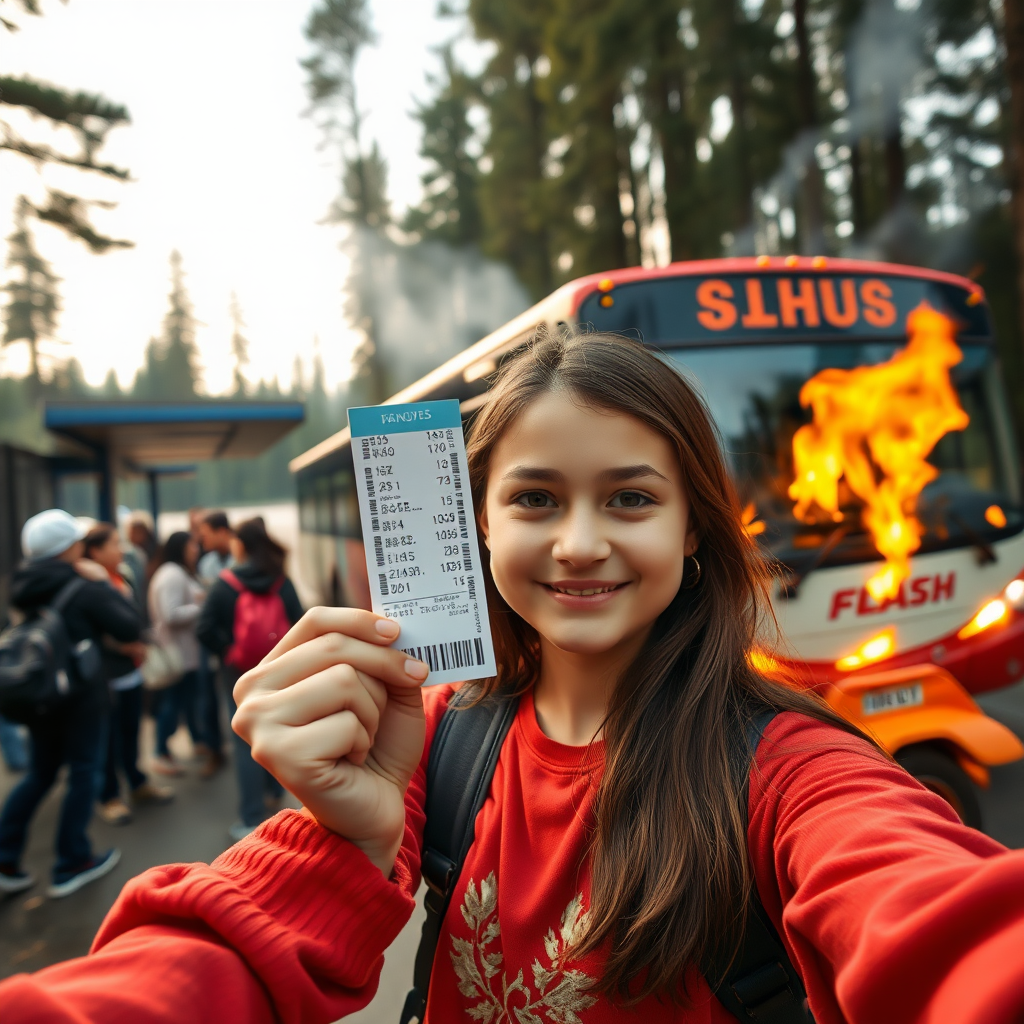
[879, 701]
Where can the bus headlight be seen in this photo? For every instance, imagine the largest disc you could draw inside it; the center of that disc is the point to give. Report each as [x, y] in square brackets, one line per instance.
[1014, 594]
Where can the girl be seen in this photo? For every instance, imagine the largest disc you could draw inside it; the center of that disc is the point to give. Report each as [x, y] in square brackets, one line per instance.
[120, 663]
[609, 855]
[175, 600]
[259, 568]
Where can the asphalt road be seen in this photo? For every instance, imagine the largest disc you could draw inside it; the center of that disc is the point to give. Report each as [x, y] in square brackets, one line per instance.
[35, 932]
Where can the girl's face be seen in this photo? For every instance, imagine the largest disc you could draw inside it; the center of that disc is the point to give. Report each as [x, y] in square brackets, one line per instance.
[191, 554]
[109, 554]
[587, 523]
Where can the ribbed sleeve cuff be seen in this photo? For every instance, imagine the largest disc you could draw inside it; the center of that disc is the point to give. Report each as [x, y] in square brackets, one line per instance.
[307, 911]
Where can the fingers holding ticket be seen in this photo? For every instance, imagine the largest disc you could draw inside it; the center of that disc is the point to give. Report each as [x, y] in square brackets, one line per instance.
[335, 714]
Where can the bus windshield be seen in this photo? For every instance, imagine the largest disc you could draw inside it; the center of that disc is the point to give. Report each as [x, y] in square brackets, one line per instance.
[753, 392]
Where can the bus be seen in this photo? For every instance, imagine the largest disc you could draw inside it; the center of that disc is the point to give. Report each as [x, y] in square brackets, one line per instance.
[862, 413]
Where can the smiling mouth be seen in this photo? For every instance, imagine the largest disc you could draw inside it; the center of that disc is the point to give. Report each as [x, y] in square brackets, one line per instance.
[586, 591]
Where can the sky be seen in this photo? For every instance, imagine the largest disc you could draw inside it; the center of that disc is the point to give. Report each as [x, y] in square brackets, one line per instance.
[225, 168]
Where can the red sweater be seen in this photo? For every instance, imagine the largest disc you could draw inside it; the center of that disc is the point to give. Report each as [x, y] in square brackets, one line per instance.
[891, 910]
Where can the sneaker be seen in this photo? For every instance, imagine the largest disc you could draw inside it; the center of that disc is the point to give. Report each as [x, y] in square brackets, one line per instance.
[164, 764]
[115, 812]
[151, 793]
[14, 880]
[240, 830]
[67, 883]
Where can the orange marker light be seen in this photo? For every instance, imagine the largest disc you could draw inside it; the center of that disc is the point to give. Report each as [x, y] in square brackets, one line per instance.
[973, 299]
[819, 262]
[606, 284]
[995, 516]
[607, 300]
[992, 614]
[875, 649]
[763, 261]
[792, 261]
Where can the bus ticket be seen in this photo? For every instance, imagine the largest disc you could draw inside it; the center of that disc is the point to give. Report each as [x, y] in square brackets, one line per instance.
[422, 556]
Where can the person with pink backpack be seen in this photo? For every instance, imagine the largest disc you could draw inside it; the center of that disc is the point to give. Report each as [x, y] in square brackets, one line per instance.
[247, 610]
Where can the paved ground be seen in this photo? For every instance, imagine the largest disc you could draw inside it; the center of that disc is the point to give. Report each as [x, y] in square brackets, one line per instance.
[35, 932]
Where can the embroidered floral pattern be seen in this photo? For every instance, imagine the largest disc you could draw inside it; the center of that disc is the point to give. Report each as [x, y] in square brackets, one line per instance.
[560, 994]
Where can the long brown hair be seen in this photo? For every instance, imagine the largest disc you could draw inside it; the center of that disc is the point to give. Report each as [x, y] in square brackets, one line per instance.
[669, 865]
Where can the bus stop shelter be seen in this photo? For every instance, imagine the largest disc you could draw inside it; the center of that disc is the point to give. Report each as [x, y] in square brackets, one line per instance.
[151, 439]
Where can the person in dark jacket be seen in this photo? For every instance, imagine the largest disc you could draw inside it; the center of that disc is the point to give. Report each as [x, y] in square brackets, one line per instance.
[73, 734]
[121, 666]
[259, 566]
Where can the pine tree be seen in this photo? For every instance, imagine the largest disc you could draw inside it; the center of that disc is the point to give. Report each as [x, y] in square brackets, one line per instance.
[90, 118]
[450, 209]
[338, 30]
[239, 348]
[30, 314]
[169, 372]
[513, 199]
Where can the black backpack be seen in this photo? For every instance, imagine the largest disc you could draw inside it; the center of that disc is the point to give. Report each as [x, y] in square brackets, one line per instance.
[758, 984]
[39, 667]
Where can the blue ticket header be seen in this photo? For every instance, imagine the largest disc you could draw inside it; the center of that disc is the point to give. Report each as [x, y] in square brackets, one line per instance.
[368, 420]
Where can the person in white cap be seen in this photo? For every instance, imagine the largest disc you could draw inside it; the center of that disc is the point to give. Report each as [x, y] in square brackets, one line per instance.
[72, 735]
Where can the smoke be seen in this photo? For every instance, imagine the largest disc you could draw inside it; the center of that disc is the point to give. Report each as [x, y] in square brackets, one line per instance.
[420, 304]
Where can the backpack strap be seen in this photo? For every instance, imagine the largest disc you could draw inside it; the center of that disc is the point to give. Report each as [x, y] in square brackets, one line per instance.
[462, 760]
[758, 981]
[66, 593]
[231, 580]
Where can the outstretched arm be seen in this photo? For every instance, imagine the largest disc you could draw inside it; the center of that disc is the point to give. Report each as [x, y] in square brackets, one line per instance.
[891, 909]
[290, 924]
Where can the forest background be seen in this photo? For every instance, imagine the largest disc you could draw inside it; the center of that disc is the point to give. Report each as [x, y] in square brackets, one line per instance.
[597, 134]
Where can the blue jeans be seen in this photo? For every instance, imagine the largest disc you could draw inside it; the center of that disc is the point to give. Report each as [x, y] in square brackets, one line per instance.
[122, 751]
[209, 704]
[181, 697]
[13, 747]
[70, 736]
[254, 781]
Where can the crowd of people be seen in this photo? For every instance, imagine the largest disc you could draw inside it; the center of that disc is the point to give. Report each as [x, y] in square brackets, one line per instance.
[172, 625]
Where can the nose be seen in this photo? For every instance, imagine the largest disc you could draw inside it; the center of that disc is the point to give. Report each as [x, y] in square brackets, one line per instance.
[580, 539]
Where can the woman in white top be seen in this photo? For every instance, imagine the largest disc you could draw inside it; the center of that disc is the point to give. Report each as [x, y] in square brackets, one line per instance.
[175, 599]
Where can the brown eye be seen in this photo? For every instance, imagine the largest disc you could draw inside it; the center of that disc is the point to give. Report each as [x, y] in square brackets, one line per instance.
[535, 499]
[630, 499]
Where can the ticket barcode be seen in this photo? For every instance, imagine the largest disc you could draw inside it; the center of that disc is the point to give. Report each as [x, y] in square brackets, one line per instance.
[456, 472]
[467, 561]
[383, 581]
[370, 492]
[460, 507]
[456, 654]
[378, 550]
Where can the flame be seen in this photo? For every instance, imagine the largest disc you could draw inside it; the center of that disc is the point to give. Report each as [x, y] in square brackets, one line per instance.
[753, 526]
[995, 516]
[875, 426]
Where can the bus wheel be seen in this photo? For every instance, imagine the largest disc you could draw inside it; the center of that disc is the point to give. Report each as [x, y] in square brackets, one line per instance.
[940, 773]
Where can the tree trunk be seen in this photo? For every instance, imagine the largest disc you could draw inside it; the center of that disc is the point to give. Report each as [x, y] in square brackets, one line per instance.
[857, 197]
[812, 229]
[895, 165]
[1013, 27]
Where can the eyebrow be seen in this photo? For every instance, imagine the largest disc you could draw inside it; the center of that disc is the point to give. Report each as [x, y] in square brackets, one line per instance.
[617, 475]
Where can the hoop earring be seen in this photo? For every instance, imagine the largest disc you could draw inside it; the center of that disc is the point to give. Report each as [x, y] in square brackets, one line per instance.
[696, 579]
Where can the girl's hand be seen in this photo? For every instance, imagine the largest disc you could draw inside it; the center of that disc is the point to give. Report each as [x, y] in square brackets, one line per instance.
[337, 717]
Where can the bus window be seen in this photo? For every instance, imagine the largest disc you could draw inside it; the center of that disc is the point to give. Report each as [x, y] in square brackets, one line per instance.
[307, 505]
[322, 501]
[346, 506]
[753, 393]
